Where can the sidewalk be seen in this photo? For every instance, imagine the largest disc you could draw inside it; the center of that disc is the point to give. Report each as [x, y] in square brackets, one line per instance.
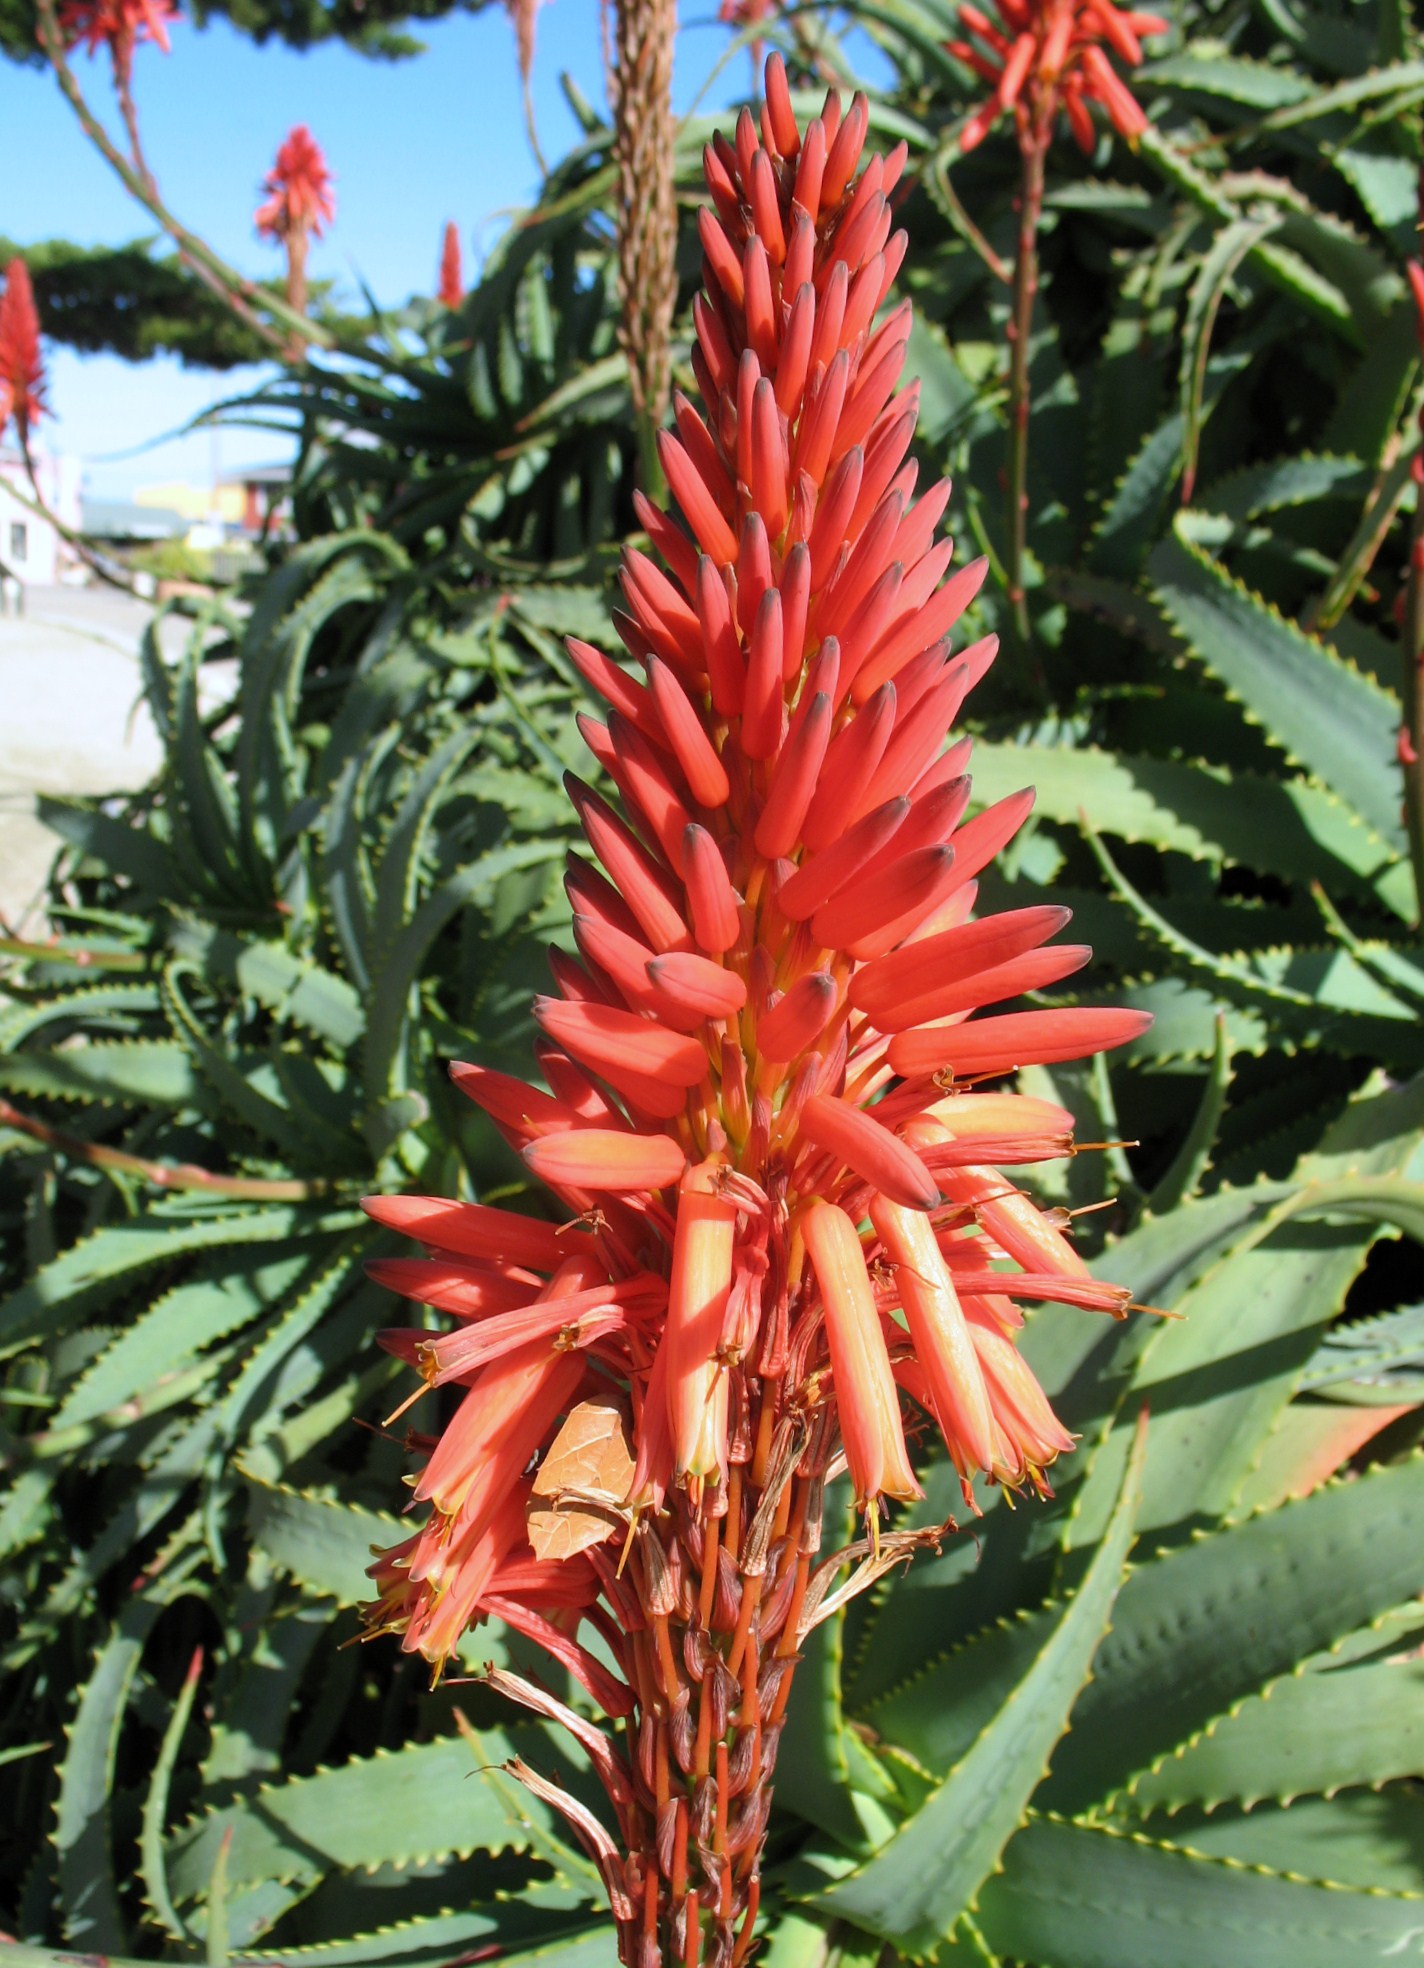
[71, 721]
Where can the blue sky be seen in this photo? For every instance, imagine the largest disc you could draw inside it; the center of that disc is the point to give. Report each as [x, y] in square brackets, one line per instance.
[411, 144]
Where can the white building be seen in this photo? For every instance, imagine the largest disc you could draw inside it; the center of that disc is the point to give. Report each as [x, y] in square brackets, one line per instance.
[32, 550]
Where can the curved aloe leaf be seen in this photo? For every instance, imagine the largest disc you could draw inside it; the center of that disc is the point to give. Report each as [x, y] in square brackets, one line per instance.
[918, 1884]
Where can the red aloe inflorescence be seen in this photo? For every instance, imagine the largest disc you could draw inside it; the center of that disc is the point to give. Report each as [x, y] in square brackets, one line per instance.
[299, 203]
[1045, 55]
[22, 378]
[771, 1119]
[119, 26]
[452, 283]
[299, 195]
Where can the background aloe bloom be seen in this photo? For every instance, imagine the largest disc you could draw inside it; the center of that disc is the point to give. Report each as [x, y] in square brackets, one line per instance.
[765, 1038]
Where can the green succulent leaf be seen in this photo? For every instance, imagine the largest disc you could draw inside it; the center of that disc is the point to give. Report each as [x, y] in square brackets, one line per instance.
[1091, 1896]
[918, 1884]
[1332, 720]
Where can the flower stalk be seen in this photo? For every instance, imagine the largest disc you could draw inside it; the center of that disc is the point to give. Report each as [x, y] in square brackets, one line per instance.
[1411, 733]
[1025, 294]
[789, 1242]
[1043, 59]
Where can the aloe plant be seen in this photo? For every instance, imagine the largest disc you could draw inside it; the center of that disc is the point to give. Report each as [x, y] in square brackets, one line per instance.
[263, 963]
[1230, 1628]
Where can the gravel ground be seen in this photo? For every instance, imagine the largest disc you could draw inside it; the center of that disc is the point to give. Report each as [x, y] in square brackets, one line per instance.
[72, 720]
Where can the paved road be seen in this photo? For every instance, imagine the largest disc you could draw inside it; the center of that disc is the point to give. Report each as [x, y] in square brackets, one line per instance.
[72, 720]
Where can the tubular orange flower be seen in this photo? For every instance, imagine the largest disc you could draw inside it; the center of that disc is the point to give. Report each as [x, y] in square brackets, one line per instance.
[860, 1361]
[1045, 55]
[22, 377]
[766, 1038]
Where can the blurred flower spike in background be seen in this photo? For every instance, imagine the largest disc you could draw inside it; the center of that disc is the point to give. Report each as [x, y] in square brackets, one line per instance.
[789, 1230]
[300, 198]
[452, 284]
[118, 25]
[1047, 55]
[300, 202]
[22, 378]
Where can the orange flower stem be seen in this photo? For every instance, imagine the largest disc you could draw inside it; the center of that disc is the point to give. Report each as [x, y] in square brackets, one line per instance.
[666, 1662]
[786, 1645]
[679, 1856]
[764, 1428]
[734, 1509]
[711, 1534]
[702, 1751]
[1033, 144]
[751, 1595]
[748, 1933]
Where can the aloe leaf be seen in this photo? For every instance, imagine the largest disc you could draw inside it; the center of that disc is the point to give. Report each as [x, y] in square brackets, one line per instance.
[916, 1886]
[102, 1265]
[1215, 1382]
[1212, 284]
[1208, 1622]
[434, 1943]
[1297, 830]
[398, 869]
[216, 1949]
[1286, 269]
[1299, 480]
[319, 578]
[1309, 1442]
[296, 988]
[1326, 715]
[301, 1134]
[1325, 1729]
[275, 1373]
[1363, 1361]
[324, 1545]
[1370, 1839]
[155, 1072]
[1216, 1379]
[155, 1806]
[267, 1649]
[136, 854]
[25, 1509]
[1228, 78]
[87, 1877]
[226, 1295]
[1404, 79]
[205, 820]
[392, 985]
[1086, 1896]
[797, 1940]
[397, 1807]
[1193, 1158]
[1325, 998]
